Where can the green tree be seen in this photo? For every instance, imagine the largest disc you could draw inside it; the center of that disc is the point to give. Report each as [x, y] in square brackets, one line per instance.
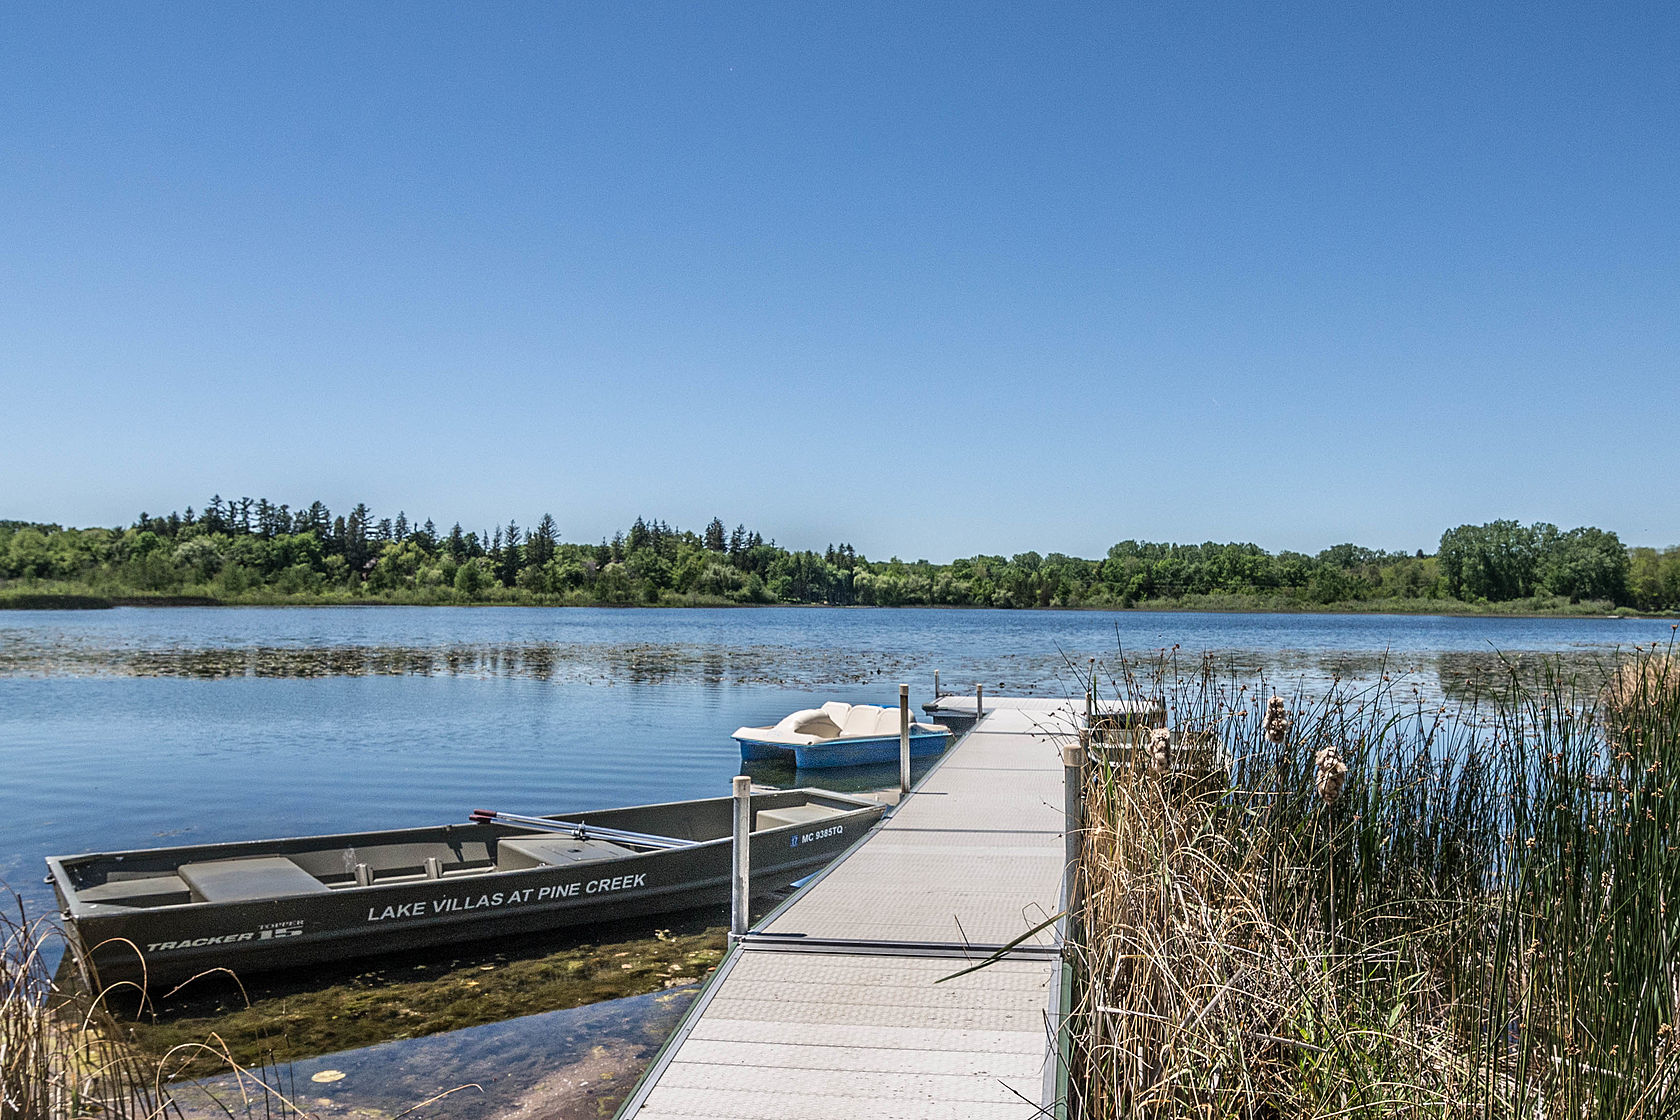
[1585, 563]
[511, 559]
[473, 577]
[1498, 561]
[544, 538]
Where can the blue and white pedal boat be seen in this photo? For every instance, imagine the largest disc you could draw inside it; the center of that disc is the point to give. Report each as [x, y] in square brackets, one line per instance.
[839, 734]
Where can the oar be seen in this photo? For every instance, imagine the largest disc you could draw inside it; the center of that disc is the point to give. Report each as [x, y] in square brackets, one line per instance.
[581, 831]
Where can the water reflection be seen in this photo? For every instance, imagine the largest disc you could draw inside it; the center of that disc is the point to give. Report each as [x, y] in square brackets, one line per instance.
[1448, 673]
[617, 663]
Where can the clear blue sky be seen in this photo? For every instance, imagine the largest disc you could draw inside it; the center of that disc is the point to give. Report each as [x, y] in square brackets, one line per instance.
[931, 279]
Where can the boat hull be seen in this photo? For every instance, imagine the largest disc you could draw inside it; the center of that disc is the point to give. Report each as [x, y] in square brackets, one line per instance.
[830, 753]
[167, 944]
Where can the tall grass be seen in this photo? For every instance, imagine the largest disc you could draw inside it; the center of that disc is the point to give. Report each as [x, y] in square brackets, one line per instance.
[59, 1057]
[63, 1057]
[1482, 921]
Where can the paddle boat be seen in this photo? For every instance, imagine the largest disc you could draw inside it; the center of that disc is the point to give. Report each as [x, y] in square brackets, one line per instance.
[161, 915]
[839, 734]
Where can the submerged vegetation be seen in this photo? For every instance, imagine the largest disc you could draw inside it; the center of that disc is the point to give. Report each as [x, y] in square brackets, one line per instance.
[65, 1055]
[272, 1020]
[249, 551]
[1395, 908]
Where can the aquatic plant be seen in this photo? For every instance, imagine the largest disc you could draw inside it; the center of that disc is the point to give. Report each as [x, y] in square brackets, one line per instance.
[1392, 906]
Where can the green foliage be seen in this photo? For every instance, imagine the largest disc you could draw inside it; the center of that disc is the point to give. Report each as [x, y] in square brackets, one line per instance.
[1503, 560]
[256, 551]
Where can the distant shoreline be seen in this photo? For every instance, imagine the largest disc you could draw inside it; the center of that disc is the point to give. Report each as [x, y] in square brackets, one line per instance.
[50, 601]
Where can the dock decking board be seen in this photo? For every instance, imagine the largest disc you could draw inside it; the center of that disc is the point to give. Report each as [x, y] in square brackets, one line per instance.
[973, 855]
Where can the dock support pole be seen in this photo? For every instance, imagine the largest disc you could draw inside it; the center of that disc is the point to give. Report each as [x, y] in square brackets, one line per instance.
[903, 741]
[1073, 817]
[936, 693]
[979, 701]
[741, 852]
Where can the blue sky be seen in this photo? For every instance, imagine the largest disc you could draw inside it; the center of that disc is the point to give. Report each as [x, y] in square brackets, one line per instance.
[931, 279]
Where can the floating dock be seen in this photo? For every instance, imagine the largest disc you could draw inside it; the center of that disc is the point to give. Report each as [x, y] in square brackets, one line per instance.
[837, 1005]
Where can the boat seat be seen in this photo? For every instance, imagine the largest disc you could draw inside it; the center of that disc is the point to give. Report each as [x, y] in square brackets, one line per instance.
[795, 814]
[244, 880]
[152, 890]
[520, 853]
[869, 720]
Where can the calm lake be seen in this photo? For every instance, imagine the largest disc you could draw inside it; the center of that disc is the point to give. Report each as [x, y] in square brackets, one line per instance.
[136, 728]
[145, 727]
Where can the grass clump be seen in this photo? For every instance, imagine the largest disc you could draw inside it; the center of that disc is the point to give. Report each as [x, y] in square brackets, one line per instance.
[59, 1057]
[1392, 908]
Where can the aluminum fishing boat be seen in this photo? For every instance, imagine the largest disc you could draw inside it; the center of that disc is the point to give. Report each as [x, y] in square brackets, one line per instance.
[161, 915]
[839, 734]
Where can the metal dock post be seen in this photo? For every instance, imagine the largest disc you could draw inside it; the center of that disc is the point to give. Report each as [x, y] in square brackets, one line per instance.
[741, 863]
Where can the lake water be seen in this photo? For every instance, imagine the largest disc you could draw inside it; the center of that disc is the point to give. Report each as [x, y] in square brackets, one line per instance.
[139, 728]
[144, 727]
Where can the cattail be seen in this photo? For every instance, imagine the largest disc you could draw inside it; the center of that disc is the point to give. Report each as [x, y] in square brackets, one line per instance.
[1160, 750]
[1277, 720]
[1332, 774]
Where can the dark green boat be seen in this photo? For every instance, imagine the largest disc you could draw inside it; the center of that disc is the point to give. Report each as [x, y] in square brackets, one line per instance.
[162, 915]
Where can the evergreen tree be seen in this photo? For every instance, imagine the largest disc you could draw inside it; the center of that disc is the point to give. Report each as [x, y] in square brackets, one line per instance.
[715, 531]
[316, 519]
[540, 550]
[456, 545]
[399, 531]
[215, 516]
[509, 570]
[356, 551]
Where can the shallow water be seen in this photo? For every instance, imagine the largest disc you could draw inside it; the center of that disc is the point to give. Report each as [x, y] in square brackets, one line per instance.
[560, 1065]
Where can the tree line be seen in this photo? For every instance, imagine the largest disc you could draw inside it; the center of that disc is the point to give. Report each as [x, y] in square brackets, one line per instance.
[247, 550]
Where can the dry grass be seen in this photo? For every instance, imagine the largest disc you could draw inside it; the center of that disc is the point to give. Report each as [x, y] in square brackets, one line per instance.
[63, 1057]
[1389, 909]
[58, 1056]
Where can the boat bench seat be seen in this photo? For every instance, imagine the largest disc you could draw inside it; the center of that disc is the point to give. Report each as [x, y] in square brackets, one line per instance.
[243, 880]
[520, 853]
[795, 814]
[152, 890]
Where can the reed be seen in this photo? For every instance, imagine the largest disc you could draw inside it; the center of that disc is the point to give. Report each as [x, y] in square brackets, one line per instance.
[59, 1057]
[1387, 907]
[63, 1056]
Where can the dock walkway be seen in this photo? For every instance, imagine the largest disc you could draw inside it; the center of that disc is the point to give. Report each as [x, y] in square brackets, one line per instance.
[829, 1008]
